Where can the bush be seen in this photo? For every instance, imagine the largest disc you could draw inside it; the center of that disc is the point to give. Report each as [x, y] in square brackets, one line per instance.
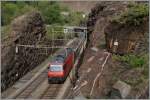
[146, 65]
[5, 30]
[52, 15]
[9, 11]
[134, 15]
[75, 18]
[136, 61]
[50, 10]
[132, 60]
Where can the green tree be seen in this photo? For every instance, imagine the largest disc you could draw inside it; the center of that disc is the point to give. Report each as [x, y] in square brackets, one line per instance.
[52, 14]
[75, 18]
[9, 10]
[50, 10]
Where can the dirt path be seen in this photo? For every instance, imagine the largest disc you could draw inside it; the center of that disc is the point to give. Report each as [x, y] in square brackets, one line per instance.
[91, 72]
[98, 73]
[94, 73]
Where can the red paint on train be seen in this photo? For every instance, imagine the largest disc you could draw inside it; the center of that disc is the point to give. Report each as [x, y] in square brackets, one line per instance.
[60, 67]
[69, 63]
[63, 62]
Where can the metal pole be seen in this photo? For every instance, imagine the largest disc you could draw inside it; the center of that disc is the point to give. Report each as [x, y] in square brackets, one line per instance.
[52, 40]
[65, 42]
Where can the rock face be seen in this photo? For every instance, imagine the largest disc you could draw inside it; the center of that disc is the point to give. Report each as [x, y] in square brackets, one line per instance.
[123, 88]
[99, 25]
[100, 16]
[125, 37]
[28, 29]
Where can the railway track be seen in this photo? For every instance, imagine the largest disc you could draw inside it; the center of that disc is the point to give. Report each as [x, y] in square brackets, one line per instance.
[31, 92]
[37, 87]
[51, 91]
[28, 91]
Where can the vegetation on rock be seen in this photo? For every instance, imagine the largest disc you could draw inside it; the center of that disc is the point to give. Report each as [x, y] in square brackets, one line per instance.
[132, 60]
[50, 10]
[134, 14]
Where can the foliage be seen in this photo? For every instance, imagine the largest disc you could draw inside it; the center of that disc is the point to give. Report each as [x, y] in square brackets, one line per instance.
[9, 10]
[134, 81]
[50, 10]
[134, 15]
[5, 31]
[132, 60]
[136, 62]
[52, 15]
[146, 65]
[75, 18]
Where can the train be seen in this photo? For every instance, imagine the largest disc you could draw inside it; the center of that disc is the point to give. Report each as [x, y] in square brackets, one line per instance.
[64, 59]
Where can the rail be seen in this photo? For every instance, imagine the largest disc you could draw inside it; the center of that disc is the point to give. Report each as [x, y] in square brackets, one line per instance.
[32, 85]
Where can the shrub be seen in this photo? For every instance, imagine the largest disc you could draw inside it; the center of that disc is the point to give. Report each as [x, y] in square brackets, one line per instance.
[75, 18]
[5, 30]
[49, 9]
[146, 65]
[132, 60]
[9, 10]
[134, 15]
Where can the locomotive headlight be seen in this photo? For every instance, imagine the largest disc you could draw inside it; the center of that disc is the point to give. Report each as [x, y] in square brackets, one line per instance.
[56, 68]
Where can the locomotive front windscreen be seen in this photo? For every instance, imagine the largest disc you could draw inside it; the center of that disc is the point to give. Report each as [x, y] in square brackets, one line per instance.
[56, 68]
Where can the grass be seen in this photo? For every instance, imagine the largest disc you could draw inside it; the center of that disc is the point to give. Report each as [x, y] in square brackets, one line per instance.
[132, 60]
[135, 62]
[134, 81]
[5, 30]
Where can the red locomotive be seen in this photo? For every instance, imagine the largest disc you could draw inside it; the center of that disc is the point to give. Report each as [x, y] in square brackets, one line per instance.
[61, 65]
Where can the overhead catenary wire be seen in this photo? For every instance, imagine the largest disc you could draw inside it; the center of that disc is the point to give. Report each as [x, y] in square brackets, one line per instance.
[41, 46]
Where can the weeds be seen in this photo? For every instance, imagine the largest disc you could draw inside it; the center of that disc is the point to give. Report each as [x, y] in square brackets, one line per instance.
[134, 81]
[5, 31]
[140, 62]
[132, 60]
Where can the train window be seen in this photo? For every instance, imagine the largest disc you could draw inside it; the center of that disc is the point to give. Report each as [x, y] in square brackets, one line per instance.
[56, 68]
